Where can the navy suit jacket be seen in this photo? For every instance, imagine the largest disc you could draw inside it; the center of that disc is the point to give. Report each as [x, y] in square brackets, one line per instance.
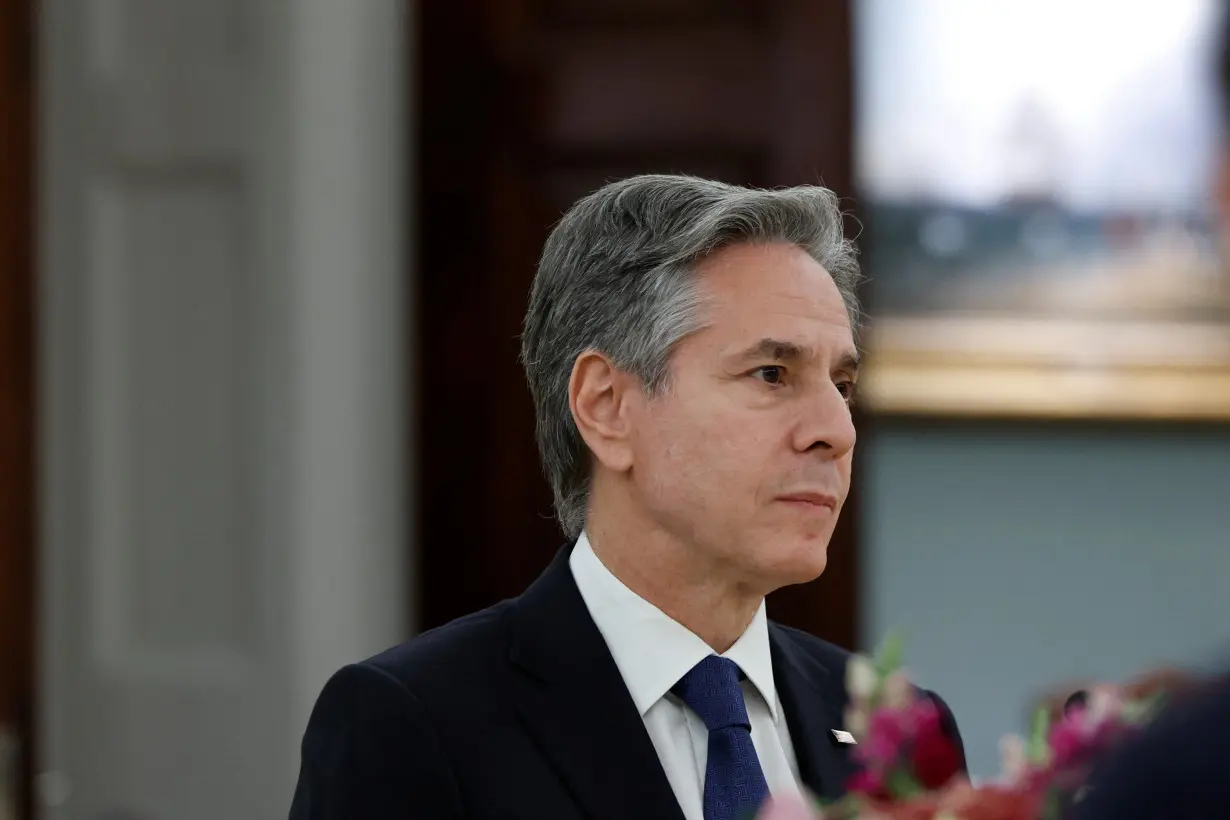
[519, 711]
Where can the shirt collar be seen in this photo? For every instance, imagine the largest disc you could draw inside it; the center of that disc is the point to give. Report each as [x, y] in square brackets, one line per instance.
[653, 651]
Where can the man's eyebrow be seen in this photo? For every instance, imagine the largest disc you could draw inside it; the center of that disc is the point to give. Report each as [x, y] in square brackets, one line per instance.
[777, 350]
[782, 351]
[850, 361]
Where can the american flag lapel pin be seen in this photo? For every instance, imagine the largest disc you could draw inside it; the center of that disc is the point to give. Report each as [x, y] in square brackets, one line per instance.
[844, 737]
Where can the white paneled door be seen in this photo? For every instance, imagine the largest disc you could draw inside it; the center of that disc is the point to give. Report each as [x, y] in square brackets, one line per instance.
[222, 416]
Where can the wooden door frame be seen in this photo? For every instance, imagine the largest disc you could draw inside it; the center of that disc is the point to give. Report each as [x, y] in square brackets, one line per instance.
[18, 496]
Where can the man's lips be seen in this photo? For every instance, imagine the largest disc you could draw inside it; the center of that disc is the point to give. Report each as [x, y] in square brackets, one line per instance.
[811, 498]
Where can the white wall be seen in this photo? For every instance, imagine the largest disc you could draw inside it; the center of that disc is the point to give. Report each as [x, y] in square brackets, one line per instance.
[1019, 556]
[223, 354]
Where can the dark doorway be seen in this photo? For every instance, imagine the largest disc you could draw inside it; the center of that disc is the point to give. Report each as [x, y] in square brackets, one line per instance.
[17, 396]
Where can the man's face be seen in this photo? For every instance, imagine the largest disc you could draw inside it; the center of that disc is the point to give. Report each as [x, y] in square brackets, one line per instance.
[745, 457]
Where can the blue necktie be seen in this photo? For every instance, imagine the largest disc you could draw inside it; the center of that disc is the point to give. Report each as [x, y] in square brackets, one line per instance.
[735, 787]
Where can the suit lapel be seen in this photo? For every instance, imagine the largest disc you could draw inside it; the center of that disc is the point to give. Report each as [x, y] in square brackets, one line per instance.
[573, 701]
[814, 698]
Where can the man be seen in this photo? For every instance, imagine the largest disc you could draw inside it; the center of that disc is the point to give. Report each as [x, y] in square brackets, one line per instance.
[690, 350]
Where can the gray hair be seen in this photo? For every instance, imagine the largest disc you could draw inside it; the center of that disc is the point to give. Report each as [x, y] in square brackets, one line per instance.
[614, 277]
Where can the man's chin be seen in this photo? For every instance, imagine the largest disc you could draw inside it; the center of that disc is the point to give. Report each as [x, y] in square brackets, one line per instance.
[802, 567]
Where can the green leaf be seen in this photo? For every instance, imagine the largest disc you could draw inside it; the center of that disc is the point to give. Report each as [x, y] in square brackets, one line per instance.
[1143, 710]
[890, 653]
[1037, 748]
[1052, 808]
[902, 785]
[851, 806]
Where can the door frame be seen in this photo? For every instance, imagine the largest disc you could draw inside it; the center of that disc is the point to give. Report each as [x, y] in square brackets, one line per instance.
[18, 413]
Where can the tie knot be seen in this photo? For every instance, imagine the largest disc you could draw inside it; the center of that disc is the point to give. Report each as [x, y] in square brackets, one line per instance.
[711, 689]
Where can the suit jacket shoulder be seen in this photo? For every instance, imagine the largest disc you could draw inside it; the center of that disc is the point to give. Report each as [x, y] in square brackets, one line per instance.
[381, 741]
[371, 750]
[461, 653]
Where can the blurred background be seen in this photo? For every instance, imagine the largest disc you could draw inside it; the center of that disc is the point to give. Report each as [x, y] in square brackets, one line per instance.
[262, 270]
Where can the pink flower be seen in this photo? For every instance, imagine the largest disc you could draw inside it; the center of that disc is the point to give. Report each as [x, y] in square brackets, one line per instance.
[868, 782]
[789, 807]
[924, 717]
[1014, 759]
[862, 680]
[891, 732]
[1077, 738]
[1067, 738]
[886, 734]
[856, 720]
[1105, 705]
[934, 759]
[898, 691]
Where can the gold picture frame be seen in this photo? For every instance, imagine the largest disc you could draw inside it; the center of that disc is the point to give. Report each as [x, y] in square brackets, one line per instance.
[1114, 370]
[1040, 234]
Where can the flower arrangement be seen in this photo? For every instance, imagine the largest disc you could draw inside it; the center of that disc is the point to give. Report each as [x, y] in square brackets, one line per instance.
[910, 770]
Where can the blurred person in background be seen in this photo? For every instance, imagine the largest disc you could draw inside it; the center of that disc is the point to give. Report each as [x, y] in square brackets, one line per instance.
[690, 349]
[1177, 767]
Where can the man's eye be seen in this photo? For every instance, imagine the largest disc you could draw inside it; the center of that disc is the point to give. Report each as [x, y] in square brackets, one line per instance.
[770, 374]
[846, 389]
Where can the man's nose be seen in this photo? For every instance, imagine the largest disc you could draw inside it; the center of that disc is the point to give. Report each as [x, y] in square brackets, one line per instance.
[827, 426]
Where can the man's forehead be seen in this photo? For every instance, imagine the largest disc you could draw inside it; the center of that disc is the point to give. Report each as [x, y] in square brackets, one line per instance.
[777, 293]
[798, 324]
[785, 330]
[789, 282]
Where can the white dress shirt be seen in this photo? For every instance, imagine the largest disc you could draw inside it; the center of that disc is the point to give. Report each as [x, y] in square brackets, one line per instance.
[653, 652]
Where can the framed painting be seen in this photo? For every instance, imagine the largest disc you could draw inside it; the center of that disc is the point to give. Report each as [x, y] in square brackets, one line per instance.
[1035, 179]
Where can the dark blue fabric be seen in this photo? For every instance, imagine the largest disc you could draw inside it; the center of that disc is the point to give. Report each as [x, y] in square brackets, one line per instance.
[735, 786]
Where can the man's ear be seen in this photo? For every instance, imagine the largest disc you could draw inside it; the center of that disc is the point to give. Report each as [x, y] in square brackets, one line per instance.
[598, 394]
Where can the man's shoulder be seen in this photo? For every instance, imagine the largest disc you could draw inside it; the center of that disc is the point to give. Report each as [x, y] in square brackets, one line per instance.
[471, 658]
[464, 650]
[386, 733]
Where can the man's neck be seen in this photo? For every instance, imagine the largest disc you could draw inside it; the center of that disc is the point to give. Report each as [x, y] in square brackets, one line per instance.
[700, 596]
